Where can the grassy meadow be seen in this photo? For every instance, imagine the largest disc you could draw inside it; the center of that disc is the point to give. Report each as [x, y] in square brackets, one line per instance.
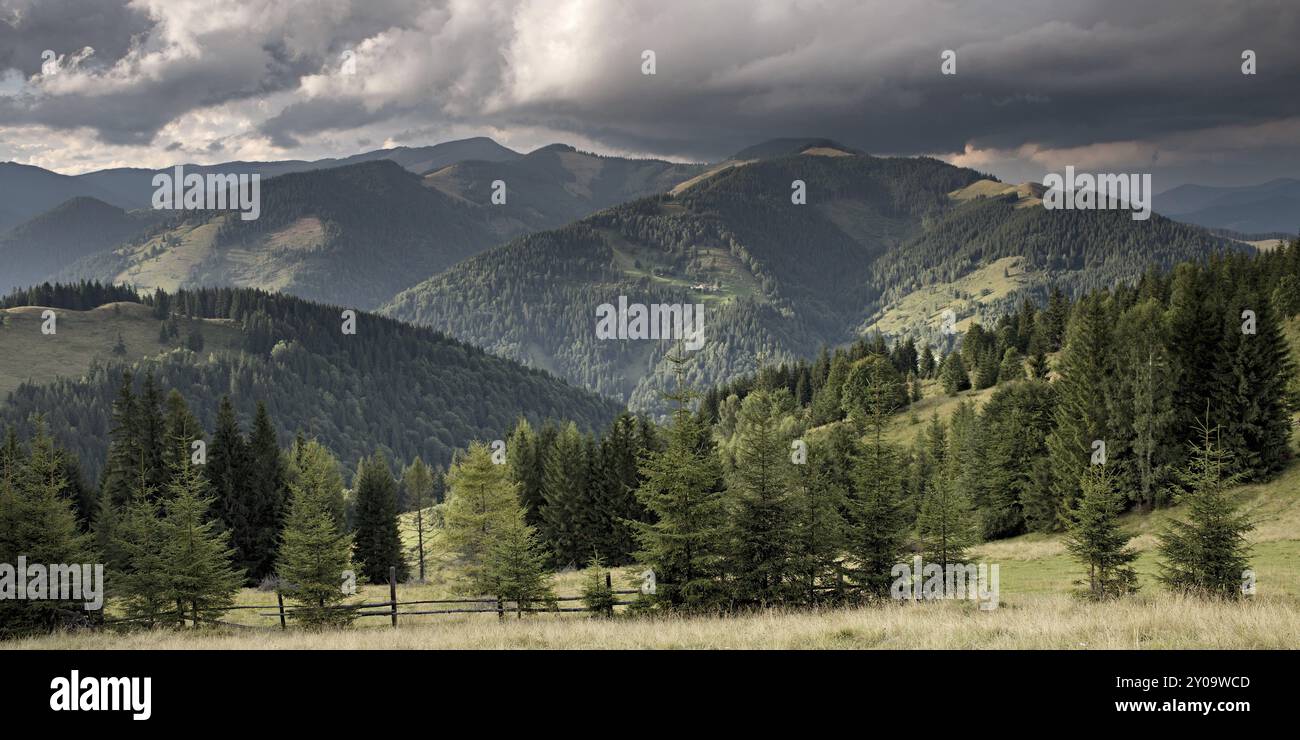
[1036, 610]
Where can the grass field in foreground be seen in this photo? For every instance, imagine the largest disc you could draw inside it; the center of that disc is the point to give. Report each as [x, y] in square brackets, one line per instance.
[1024, 622]
[1036, 609]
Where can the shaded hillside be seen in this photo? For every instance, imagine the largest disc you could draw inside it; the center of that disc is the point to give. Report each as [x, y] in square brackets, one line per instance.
[35, 250]
[351, 235]
[393, 387]
[776, 277]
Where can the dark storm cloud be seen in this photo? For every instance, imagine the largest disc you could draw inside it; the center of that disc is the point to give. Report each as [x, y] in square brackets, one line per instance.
[30, 27]
[1031, 75]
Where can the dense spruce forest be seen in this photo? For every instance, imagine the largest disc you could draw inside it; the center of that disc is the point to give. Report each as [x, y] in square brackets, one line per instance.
[777, 278]
[1186, 378]
[389, 387]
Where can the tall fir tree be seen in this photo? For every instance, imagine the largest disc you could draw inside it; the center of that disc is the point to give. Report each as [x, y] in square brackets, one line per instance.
[1140, 406]
[181, 430]
[761, 536]
[1249, 392]
[683, 491]
[878, 510]
[953, 375]
[140, 578]
[265, 497]
[525, 458]
[227, 472]
[310, 457]
[37, 521]
[314, 552]
[377, 544]
[202, 581]
[567, 507]
[819, 499]
[1081, 416]
[619, 477]
[946, 527]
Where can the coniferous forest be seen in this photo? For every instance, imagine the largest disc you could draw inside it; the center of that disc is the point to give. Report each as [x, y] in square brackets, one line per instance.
[375, 352]
[786, 487]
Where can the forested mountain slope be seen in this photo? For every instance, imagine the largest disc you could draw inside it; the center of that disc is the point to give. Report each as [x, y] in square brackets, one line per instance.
[776, 277]
[392, 387]
[351, 235]
[358, 233]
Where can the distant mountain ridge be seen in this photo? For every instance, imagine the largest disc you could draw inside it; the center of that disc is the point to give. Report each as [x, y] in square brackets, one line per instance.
[877, 236]
[26, 191]
[1273, 206]
[359, 232]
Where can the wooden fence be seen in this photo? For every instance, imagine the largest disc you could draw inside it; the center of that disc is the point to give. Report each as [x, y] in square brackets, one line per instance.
[390, 609]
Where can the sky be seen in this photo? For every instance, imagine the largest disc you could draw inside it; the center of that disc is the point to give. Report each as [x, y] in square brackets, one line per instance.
[1104, 85]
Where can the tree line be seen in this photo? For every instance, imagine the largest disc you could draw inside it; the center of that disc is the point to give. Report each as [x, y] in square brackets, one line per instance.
[787, 489]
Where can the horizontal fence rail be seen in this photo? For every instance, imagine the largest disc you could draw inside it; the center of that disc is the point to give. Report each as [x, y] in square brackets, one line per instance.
[390, 608]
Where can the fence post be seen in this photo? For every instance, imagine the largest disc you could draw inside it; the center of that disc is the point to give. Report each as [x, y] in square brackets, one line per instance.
[501, 610]
[609, 586]
[392, 590]
[279, 599]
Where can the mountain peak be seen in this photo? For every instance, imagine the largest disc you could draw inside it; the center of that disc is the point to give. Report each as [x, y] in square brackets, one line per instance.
[557, 147]
[788, 147]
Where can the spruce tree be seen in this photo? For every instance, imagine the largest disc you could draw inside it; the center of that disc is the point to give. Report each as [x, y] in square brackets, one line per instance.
[181, 430]
[314, 551]
[377, 540]
[879, 512]
[37, 521]
[1096, 540]
[1206, 554]
[761, 535]
[953, 375]
[597, 595]
[227, 472]
[311, 455]
[1081, 414]
[827, 405]
[683, 486]
[1195, 326]
[202, 579]
[516, 570]
[123, 455]
[265, 498]
[618, 478]
[946, 528]
[819, 499]
[1141, 403]
[525, 460]
[141, 579]
[1012, 367]
[1249, 391]
[567, 508]
[986, 374]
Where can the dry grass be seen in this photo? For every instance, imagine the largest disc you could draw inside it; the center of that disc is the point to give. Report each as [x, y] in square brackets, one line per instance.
[1027, 622]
